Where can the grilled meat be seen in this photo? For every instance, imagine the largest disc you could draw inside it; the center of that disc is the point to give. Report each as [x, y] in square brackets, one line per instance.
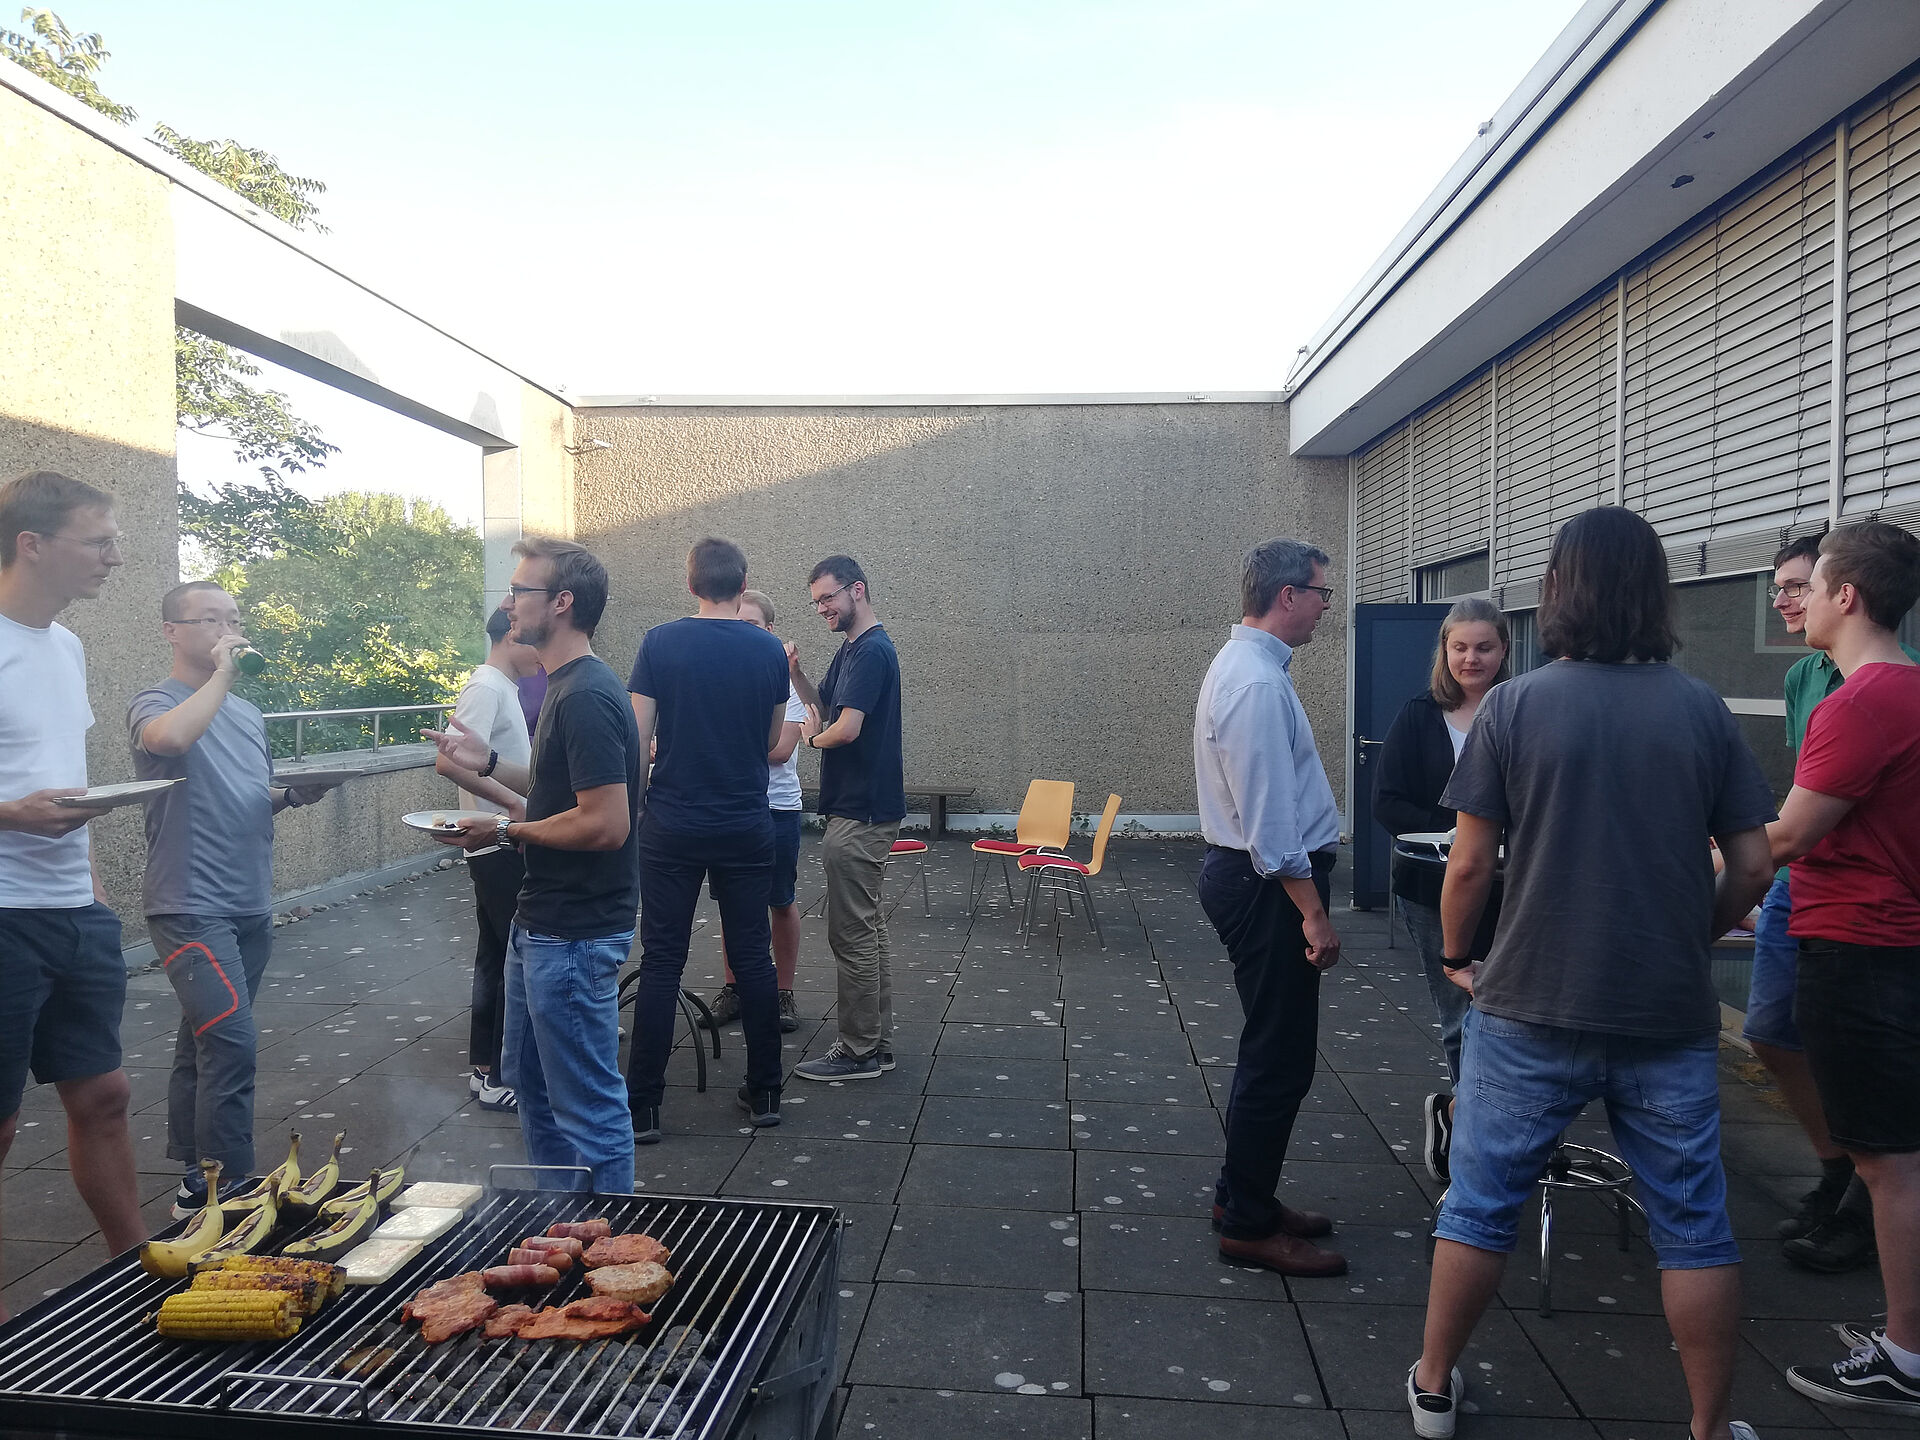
[451, 1307]
[507, 1277]
[589, 1319]
[586, 1230]
[626, 1250]
[554, 1259]
[507, 1321]
[565, 1244]
[642, 1283]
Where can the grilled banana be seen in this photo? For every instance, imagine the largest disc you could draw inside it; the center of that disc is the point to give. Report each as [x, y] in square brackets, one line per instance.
[383, 1185]
[249, 1235]
[351, 1224]
[311, 1193]
[168, 1259]
[277, 1181]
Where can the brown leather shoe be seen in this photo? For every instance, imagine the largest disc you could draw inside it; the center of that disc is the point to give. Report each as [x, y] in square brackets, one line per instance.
[1302, 1224]
[1284, 1253]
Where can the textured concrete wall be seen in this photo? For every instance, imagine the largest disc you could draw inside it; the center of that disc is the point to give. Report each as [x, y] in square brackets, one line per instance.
[86, 388]
[1055, 577]
[357, 827]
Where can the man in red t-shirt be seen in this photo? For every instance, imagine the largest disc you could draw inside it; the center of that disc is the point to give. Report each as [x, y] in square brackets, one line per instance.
[1851, 828]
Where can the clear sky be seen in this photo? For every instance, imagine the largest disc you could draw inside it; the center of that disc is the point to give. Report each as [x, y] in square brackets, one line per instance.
[750, 196]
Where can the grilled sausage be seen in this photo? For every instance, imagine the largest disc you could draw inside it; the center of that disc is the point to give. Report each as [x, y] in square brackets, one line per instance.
[585, 1230]
[575, 1248]
[506, 1276]
[558, 1260]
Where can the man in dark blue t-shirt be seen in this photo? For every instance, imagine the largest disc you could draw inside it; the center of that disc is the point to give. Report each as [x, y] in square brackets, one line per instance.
[715, 689]
[863, 797]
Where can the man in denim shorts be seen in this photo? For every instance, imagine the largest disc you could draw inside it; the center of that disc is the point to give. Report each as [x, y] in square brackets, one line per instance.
[63, 982]
[1607, 770]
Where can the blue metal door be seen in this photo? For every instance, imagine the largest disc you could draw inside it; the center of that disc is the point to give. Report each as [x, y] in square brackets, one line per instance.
[1392, 662]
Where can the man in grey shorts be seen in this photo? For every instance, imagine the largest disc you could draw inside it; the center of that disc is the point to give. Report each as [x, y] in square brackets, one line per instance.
[62, 980]
[209, 877]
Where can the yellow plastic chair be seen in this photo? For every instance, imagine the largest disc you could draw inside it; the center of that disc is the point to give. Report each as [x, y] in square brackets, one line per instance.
[1063, 872]
[1046, 820]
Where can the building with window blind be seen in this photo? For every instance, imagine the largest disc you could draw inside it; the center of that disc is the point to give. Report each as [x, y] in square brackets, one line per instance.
[1680, 271]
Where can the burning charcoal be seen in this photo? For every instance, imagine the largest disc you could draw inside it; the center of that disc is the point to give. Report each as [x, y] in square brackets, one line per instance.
[659, 1414]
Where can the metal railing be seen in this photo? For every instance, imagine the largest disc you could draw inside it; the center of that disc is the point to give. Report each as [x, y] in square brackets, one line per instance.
[301, 717]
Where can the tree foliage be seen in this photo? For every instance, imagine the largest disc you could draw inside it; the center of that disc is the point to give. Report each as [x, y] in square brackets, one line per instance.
[212, 397]
[252, 174]
[62, 58]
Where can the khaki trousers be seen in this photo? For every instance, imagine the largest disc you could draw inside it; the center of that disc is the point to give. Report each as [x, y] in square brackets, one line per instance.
[855, 857]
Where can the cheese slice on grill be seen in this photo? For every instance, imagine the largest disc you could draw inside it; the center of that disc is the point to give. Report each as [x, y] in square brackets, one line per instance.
[373, 1262]
[437, 1195]
[421, 1224]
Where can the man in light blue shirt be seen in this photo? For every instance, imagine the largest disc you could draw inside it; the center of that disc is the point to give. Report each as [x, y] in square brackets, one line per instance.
[1272, 832]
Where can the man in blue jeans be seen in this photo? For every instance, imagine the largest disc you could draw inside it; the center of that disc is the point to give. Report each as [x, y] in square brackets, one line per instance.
[715, 687]
[1607, 770]
[560, 1046]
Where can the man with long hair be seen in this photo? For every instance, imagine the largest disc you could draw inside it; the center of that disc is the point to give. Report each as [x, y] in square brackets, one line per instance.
[1605, 772]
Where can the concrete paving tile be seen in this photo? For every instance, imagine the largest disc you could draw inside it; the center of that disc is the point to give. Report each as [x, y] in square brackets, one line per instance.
[23, 1257]
[1167, 1255]
[1164, 1045]
[442, 1052]
[1680, 1430]
[1161, 1129]
[1364, 1351]
[459, 1152]
[1386, 1266]
[1005, 1248]
[854, 1298]
[1332, 1135]
[1328, 1093]
[966, 1120]
[1136, 1082]
[1589, 1273]
[40, 1136]
[1765, 1149]
[1119, 1182]
[858, 1110]
[1394, 1425]
[877, 1413]
[1010, 1009]
[67, 1263]
[1622, 1367]
[990, 1075]
[989, 1176]
[1179, 1347]
[805, 1168]
[1356, 1194]
[863, 1239]
[952, 1337]
[1013, 1042]
[1134, 1418]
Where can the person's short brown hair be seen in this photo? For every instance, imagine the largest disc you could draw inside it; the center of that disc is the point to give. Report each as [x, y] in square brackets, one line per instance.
[170, 602]
[576, 570]
[1606, 592]
[844, 569]
[1882, 563]
[1474, 610]
[716, 569]
[760, 601]
[40, 502]
[1807, 547]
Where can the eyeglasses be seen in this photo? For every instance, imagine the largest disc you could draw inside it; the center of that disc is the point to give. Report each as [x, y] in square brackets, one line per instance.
[1325, 592]
[514, 592]
[103, 547]
[230, 624]
[1793, 590]
[821, 602]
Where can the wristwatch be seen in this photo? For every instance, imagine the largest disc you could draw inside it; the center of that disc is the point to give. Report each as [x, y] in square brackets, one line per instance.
[500, 830]
[1448, 964]
[294, 802]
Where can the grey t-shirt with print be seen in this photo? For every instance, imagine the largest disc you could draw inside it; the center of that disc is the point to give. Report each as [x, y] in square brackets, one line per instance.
[1609, 780]
[209, 841]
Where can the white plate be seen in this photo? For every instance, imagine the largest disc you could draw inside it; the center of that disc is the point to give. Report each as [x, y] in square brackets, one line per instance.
[443, 822]
[108, 797]
[315, 777]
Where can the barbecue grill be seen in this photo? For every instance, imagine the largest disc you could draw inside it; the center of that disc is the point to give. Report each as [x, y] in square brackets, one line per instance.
[741, 1348]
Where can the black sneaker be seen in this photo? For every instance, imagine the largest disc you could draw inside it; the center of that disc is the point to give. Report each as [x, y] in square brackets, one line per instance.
[646, 1124]
[762, 1106]
[191, 1198]
[1816, 1206]
[725, 1005]
[1844, 1243]
[885, 1057]
[789, 1013]
[1439, 1141]
[1866, 1380]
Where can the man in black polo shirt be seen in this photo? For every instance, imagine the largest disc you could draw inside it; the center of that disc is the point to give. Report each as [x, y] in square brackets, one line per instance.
[863, 797]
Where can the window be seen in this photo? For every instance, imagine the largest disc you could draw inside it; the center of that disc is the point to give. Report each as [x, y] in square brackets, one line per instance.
[1450, 579]
[1524, 654]
[1745, 657]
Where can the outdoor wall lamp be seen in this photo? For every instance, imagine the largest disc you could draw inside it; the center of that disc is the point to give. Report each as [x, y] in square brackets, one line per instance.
[585, 445]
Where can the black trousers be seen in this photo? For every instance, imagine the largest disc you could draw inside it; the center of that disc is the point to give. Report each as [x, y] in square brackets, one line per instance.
[1280, 998]
[496, 894]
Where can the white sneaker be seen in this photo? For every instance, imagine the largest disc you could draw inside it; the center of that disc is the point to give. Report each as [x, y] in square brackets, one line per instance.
[1742, 1430]
[497, 1097]
[476, 1082]
[1433, 1415]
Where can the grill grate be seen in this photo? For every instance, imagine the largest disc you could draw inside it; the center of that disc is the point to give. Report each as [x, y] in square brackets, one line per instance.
[741, 1270]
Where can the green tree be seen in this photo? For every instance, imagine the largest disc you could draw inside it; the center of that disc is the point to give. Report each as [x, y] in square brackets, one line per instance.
[62, 58]
[362, 614]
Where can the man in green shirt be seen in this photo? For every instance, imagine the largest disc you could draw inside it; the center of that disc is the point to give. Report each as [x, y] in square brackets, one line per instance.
[1833, 1230]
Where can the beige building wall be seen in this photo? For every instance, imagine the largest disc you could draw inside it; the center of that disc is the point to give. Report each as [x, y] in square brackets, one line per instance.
[1056, 577]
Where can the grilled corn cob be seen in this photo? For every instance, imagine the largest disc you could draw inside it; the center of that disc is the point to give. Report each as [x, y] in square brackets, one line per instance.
[227, 1315]
[308, 1294]
[332, 1278]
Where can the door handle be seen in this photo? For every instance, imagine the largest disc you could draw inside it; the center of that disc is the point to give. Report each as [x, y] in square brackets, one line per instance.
[1361, 745]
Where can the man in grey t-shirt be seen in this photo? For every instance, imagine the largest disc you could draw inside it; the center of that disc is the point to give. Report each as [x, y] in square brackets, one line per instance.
[209, 876]
[1606, 771]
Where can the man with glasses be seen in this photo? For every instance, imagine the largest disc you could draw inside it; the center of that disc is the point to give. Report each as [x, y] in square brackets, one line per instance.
[63, 982]
[863, 797]
[209, 878]
[560, 1049]
[1273, 834]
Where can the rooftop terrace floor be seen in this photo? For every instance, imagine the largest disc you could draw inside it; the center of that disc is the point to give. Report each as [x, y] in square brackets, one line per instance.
[1028, 1191]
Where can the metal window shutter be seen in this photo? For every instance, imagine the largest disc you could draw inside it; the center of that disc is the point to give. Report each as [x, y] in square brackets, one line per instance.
[1380, 521]
[1556, 441]
[1883, 311]
[1729, 334]
[1451, 451]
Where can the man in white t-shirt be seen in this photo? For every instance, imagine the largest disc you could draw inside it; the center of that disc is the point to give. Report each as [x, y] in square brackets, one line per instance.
[489, 707]
[63, 982]
[783, 799]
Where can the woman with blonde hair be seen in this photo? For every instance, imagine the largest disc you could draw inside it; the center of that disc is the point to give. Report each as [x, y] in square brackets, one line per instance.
[1415, 765]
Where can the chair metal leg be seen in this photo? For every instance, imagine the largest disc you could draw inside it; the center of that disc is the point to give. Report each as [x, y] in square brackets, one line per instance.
[1093, 917]
[1620, 1206]
[1390, 900]
[699, 1052]
[925, 898]
[1007, 876]
[1028, 917]
[981, 872]
[1546, 1253]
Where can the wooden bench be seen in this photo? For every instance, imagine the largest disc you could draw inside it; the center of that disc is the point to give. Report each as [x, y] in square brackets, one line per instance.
[936, 797]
